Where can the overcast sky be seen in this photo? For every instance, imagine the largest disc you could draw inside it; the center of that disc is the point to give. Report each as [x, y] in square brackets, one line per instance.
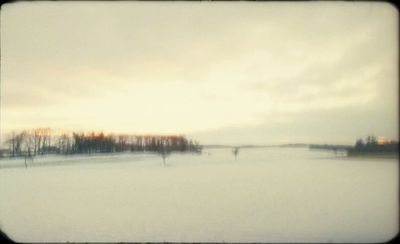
[238, 72]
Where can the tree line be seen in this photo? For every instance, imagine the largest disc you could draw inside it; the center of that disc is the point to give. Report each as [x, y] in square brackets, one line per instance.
[371, 145]
[42, 141]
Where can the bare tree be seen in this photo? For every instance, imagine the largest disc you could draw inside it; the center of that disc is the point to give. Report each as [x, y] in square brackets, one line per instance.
[37, 137]
[11, 141]
[122, 143]
[45, 135]
[64, 144]
[15, 142]
[235, 152]
[28, 142]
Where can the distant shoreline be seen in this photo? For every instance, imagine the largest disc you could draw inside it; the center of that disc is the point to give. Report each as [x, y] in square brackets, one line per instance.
[255, 146]
[372, 155]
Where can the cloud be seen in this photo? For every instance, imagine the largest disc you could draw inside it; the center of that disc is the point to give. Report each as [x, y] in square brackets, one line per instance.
[196, 66]
[340, 126]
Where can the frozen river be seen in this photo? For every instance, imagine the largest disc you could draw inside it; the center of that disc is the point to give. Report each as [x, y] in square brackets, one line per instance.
[266, 195]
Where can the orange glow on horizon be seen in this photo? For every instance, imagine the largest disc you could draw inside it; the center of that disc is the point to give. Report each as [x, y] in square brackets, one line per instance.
[381, 140]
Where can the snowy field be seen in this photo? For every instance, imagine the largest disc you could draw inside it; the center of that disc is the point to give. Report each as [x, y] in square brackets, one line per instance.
[266, 195]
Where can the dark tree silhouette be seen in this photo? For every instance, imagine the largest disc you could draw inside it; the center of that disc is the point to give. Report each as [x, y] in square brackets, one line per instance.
[235, 152]
[39, 142]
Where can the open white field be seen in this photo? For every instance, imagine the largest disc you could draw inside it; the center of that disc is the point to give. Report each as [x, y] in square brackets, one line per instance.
[266, 195]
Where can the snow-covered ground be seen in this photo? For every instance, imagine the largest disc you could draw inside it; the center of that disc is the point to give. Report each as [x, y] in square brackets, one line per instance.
[266, 195]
